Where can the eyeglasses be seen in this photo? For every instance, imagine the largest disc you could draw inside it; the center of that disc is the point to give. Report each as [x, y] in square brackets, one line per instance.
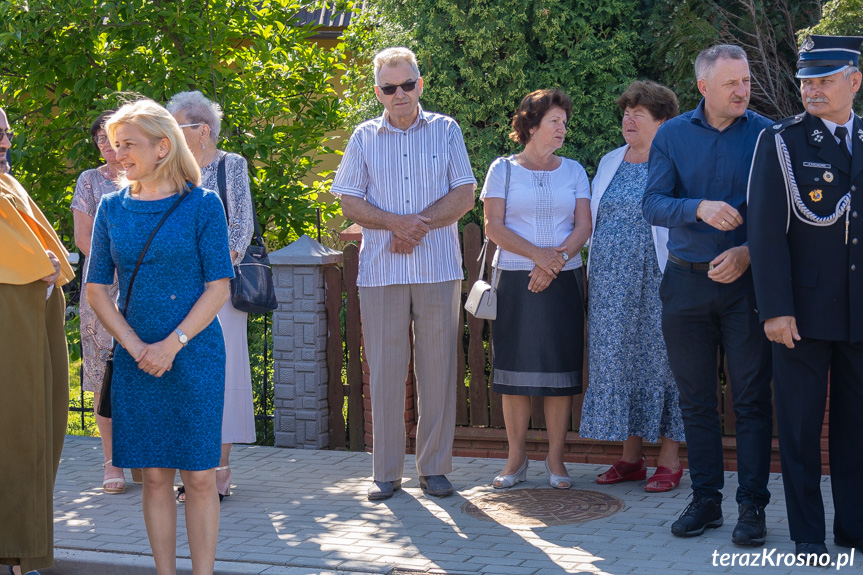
[101, 140]
[407, 87]
[7, 134]
[191, 125]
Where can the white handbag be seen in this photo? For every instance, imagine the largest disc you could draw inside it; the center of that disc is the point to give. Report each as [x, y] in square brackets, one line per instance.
[482, 299]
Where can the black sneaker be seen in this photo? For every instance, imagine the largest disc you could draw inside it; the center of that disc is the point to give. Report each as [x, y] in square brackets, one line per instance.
[813, 555]
[751, 527]
[698, 515]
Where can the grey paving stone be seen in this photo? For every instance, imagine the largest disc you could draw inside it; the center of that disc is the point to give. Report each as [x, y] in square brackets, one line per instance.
[297, 512]
[507, 570]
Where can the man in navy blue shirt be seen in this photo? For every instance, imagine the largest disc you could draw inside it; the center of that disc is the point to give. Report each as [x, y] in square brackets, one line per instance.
[696, 187]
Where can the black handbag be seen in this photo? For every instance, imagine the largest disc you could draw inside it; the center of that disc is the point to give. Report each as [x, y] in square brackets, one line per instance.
[252, 289]
[104, 407]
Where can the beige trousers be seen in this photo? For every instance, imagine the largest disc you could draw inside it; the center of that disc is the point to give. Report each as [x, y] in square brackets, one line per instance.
[387, 313]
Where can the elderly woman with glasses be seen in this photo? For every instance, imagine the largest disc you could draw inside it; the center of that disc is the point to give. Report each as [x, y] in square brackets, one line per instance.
[95, 341]
[631, 396]
[201, 122]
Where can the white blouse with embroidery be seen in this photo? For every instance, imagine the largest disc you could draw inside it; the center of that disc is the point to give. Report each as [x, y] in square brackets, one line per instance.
[540, 206]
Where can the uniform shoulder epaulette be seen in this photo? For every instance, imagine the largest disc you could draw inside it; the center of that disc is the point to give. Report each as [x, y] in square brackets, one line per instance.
[784, 123]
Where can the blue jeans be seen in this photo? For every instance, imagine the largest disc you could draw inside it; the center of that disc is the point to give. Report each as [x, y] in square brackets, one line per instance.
[697, 315]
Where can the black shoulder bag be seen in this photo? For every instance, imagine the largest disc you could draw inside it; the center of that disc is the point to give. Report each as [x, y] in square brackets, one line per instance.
[252, 289]
[104, 408]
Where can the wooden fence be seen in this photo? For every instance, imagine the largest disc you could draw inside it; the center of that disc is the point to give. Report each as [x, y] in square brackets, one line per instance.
[479, 416]
[476, 404]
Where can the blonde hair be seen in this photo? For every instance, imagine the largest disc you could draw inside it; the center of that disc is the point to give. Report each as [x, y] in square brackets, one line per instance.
[394, 57]
[155, 122]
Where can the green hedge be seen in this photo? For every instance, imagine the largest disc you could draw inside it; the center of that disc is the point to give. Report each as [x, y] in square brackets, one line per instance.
[479, 58]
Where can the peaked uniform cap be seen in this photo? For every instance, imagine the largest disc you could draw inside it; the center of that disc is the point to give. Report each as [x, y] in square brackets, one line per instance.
[825, 55]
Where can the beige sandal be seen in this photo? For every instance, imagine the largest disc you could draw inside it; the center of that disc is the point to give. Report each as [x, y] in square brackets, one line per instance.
[117, 483]
[224, 486]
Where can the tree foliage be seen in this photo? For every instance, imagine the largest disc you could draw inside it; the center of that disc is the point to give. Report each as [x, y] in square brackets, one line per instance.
[838, 18]
[766, 29]
[479, 58]
[65, 61]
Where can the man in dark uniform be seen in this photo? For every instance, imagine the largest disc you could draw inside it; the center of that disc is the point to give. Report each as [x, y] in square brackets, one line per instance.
[806, 245]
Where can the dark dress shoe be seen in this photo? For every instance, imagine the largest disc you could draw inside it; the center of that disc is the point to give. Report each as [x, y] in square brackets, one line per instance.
[751, 526]
[383, 489]
[849, 543]
[436, 485]
[809, 554]
[700, 514]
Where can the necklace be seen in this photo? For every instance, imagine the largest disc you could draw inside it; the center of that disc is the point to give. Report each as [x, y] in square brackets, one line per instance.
[529, 164]
[108, 172]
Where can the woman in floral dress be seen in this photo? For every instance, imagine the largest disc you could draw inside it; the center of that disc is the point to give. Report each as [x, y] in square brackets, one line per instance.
[631, 394]
[95, 341]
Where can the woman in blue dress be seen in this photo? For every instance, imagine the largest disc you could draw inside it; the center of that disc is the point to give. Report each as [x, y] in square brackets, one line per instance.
[169, 366]
[631, 394]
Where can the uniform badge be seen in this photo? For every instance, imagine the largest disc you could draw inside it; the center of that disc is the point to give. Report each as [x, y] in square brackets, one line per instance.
[828, 177]
[807, 45]
[816, 165]
[817, 135]
[860, 134]
[816, 195]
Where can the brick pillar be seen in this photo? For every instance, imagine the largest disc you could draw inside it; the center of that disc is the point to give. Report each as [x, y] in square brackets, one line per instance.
[300, 344]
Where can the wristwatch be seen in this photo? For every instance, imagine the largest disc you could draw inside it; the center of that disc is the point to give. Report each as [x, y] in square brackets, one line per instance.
[184, 339]
[565, 256]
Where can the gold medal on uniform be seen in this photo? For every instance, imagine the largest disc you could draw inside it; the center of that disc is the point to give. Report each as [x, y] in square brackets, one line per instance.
[816, 195]
[828, 177]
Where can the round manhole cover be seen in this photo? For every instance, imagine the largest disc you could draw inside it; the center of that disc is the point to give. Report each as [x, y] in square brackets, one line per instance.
[542, 507]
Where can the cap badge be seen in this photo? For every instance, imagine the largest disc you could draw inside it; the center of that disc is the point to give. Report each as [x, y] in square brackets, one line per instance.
[828, 177]
[807, 45]
[816, 195]
[817, 135]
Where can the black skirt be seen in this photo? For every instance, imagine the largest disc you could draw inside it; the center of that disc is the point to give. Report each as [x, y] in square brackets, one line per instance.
[538, 338]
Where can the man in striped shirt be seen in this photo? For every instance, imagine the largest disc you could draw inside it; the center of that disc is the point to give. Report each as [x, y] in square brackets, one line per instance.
[406, 179]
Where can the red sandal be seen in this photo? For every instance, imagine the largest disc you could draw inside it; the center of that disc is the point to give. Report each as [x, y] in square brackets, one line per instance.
[664, 479]
[623, 471]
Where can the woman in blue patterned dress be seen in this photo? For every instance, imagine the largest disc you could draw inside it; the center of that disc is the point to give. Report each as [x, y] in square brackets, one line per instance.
[169, 366]
[631, 395]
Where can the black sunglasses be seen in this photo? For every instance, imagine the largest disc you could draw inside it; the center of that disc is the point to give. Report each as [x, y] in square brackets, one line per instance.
[407, 87]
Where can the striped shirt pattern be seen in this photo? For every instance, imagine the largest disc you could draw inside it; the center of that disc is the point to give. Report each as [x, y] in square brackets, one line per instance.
[404, 172]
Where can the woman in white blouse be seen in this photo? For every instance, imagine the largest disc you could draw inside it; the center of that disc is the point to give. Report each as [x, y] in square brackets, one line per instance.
[201, 121]
[540, 225]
